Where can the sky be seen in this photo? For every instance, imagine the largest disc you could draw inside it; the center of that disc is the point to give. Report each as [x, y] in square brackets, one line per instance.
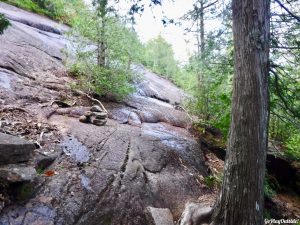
[149, 26]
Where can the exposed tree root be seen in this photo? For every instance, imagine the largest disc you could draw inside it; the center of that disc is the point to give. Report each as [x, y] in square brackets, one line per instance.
[91, 98]
[196, 214]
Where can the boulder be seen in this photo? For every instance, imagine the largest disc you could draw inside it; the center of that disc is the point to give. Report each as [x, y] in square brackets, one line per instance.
[159, 216]
[14, 149]
[17, 173]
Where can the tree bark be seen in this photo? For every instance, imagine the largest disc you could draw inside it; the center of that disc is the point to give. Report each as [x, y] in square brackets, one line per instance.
[241, 199]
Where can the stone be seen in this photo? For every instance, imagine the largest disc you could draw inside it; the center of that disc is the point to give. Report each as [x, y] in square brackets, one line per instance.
[88, 113]
[83, 119]
[14, 149]
[100, 115]
[99, 122]
[96, 108]
[42, 162]
[159, 216]
[17, 173]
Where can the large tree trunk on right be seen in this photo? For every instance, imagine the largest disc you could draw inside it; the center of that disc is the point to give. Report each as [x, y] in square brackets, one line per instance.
[242, 195]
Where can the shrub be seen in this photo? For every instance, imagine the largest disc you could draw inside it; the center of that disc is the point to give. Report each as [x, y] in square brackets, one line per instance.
[293, 147]
[4, 23]
[103, 80]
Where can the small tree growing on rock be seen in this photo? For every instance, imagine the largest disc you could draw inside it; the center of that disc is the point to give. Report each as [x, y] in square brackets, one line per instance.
[4, 23]
[106, 47]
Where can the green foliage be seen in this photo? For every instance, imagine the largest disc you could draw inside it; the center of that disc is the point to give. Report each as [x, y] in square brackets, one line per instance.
[271, 186]
[4, 23]
[159, 57]
[62, 10]
[267, 214]
[269, 191]
[293, 147]
[213, 181]
[103, 81]
[105, 49]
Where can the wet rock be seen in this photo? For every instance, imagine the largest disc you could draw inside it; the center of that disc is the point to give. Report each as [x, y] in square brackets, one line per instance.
[125, 115]
[17, 173]
[74, 148]
[159, 216]
[96, 108]
[14, 149]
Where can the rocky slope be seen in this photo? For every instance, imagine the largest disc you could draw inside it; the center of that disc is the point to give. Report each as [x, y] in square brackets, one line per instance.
[143, 157]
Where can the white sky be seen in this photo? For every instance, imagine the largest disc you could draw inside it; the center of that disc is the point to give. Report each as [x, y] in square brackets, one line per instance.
[149, 27]
[149, 24]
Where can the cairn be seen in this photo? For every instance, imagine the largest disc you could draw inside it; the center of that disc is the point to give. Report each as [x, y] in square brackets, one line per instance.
[95, 116]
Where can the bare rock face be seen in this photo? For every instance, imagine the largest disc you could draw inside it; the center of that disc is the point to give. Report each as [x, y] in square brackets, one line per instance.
[143, 157]
[14, 149]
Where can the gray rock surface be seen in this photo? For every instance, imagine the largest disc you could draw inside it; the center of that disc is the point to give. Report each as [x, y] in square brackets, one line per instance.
[143, 157]
[157, 216]
[17, 173]
[14, 149]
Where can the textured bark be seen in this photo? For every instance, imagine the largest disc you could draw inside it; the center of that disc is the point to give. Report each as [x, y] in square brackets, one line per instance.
[241, 198]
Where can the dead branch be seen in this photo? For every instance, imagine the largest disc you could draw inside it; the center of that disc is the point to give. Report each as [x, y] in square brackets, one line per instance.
[91, 98]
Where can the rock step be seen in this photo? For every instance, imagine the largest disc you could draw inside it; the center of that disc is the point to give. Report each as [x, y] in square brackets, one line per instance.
[14, 149]
[17, 173]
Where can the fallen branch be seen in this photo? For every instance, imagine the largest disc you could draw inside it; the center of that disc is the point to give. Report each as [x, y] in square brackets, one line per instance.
[91, 98]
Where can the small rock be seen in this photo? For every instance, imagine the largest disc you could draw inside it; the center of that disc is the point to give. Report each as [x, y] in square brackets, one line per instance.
[17, 173]
[83, 119]
[159, 216]
[98, 122]
[88, 113]
[100, 115]
[96, 108]
[42, 162]
[14, 149]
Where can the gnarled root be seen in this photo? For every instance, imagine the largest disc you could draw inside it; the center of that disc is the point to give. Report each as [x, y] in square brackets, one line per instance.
[196, 214]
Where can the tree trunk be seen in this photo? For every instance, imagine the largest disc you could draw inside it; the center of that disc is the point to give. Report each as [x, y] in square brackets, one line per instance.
[242, 195]
[202, 29]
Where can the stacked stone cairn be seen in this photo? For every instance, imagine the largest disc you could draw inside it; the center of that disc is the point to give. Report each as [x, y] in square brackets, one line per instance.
[95, 116]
